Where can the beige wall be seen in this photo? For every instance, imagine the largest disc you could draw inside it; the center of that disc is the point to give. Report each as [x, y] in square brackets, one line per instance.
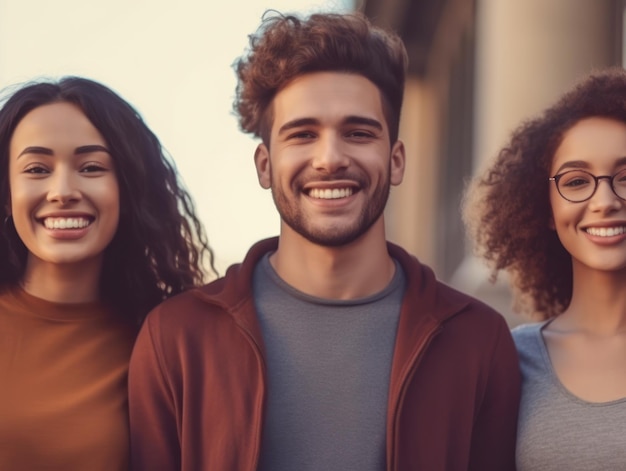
[528, 53]
[410, 211]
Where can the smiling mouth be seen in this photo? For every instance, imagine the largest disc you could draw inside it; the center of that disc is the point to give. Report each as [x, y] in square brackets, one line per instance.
[330, 193]
[66, 223]
[605, 231]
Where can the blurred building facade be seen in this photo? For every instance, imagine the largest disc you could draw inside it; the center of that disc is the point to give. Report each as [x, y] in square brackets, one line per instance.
[477, 69]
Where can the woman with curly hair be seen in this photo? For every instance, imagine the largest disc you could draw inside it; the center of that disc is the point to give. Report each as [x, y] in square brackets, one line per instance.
[551, 211]
[96, 230]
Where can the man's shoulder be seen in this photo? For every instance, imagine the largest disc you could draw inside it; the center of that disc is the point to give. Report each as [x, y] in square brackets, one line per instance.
[194, 305]
[423, 283]
[221, 294]
[445, 301]
[470, 310]
[472, 302]
[475, 330]
[183, 310]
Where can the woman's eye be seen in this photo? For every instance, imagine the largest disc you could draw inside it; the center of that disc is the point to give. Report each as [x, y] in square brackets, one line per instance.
[576, 182]
[90, 168]
[576, 179]
[36, 169]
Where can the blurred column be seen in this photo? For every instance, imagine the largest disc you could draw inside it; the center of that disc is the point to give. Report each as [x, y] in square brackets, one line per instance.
[437, 105]
[529, 52]
[410, 214]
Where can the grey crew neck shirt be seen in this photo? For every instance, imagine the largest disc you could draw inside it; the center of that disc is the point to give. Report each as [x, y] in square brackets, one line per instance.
[558, 431]
[328, 367]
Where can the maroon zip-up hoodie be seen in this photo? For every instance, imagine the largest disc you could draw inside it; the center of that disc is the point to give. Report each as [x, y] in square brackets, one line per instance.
[197, 379]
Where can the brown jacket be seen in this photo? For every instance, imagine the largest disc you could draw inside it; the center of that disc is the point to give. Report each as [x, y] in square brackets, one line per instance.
[197, 379]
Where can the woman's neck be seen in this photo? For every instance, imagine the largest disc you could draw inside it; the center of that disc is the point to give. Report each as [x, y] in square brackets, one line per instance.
[63, 283]
[598, 303]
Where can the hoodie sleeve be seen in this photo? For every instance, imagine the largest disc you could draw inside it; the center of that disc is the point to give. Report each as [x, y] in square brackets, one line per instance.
[495, 427]
[155, 444]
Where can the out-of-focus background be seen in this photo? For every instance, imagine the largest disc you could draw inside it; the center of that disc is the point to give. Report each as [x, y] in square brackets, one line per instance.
[171, 60]
[477, 68]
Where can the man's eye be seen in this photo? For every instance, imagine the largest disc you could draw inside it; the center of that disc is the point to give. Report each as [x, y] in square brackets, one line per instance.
[302, 135]
[360, 134]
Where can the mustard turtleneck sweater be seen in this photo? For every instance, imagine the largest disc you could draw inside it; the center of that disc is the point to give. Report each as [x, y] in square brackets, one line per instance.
[63, 370]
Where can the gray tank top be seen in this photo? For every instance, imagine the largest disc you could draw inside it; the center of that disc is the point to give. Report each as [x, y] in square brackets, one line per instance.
[558, 431]
[328, 367]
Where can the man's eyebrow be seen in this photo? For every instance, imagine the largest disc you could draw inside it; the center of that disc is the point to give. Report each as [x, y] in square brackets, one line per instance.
[365, 121]
[355, 119]
[296, 123]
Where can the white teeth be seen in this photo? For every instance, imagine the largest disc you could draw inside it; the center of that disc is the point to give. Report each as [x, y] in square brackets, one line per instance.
[65, 223]
[606, 231]
[330, 194]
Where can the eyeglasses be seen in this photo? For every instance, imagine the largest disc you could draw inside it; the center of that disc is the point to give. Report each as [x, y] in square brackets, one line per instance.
[577, 186]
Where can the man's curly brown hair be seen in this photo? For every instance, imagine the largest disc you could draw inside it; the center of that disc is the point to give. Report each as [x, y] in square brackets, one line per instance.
[507, 209]
[285, 47]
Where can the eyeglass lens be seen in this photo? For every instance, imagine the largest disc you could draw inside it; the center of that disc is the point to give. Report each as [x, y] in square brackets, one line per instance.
[579, 185]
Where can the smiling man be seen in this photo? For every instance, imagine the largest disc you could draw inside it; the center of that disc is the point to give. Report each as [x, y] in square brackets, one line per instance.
[328, 348]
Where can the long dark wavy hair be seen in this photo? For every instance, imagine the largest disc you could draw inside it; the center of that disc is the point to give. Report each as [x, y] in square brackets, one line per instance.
[507, 208]
[160, 247]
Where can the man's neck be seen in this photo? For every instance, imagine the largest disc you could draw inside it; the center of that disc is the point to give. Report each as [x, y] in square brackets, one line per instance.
[355, 270]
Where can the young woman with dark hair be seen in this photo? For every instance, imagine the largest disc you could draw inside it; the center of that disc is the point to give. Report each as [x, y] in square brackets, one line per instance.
[96, 230]
[551, 211]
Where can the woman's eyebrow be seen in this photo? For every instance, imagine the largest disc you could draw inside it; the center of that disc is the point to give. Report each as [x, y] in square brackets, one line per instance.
[90, 148]
[36, 150]
[575, 164]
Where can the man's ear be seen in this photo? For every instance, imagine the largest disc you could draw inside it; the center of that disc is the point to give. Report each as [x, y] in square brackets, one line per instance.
[398, 160]
[262, 164]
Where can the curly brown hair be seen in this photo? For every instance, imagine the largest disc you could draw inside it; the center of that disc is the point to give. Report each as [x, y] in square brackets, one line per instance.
[507, 209]
[285, 47]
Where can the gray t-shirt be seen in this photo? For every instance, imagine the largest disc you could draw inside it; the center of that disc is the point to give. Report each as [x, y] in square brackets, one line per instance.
[328, 368]
[558, 431]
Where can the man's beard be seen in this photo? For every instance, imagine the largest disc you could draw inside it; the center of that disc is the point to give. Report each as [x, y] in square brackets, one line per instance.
[290, 212]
